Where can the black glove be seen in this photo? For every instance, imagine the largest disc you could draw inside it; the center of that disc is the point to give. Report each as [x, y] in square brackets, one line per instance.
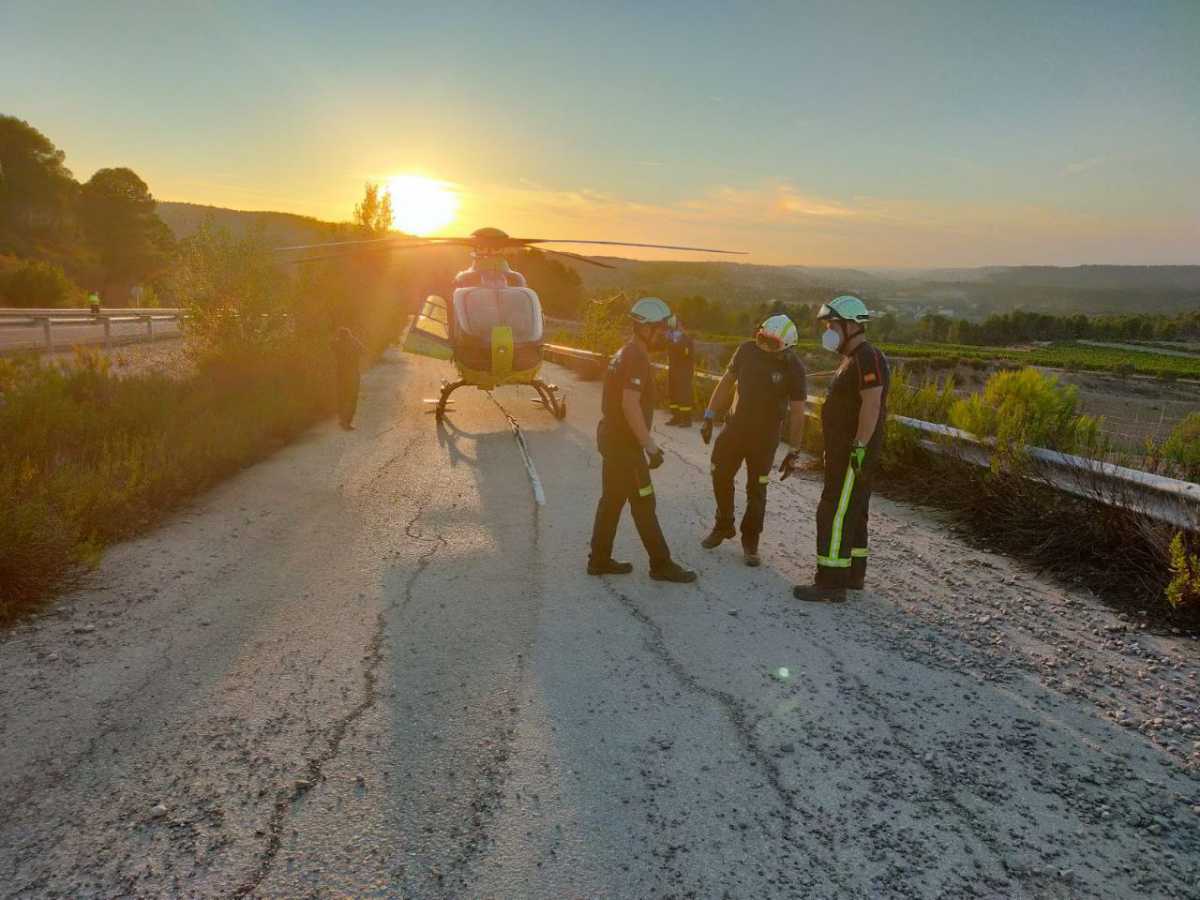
[790, 463]
[706, 428]
[655, 459]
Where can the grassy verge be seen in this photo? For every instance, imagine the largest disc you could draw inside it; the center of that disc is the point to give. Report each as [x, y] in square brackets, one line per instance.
[89, 458]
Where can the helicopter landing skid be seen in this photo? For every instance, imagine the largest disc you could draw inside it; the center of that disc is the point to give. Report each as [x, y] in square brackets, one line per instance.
[442, 401]
[551, 397]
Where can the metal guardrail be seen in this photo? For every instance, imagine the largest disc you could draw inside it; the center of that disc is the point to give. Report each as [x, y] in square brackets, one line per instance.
[48, 318]
[1163, 499]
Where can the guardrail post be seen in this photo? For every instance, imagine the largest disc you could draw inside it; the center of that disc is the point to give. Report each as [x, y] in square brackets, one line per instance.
[46, 334]
[107, 333]
[149, 328]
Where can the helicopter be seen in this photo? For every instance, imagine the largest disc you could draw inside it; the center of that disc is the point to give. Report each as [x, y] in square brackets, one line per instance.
[491, 328]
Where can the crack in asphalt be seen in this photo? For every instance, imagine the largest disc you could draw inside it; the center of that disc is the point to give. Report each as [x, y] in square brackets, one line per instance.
[314, 770]
[743, 727]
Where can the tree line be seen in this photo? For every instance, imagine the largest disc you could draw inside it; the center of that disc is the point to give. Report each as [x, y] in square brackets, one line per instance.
[1023, 326]
[58, 236]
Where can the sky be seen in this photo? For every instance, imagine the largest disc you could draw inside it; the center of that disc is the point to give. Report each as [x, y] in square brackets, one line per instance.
[882, 133]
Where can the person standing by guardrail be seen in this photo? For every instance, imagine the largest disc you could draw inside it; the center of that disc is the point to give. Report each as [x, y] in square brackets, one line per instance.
[347, 350]
[625, 443]
[94, 303]
[852, 421]
[769, 379]
[681, 352]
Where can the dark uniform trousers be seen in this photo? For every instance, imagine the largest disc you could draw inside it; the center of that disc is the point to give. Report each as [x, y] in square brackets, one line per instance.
[347, 390]
[625, 478]
[679, 383]
[842, 515]
[756, 449]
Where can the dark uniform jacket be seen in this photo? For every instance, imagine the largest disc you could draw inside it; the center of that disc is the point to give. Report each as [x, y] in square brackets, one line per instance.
[767, 383]
[629, 369]
[863, 369]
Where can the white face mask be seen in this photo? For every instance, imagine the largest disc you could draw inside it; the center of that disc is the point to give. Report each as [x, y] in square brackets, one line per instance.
[831, 340]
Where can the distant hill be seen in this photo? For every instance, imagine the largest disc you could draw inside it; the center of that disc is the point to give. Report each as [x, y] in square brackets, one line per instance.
[1138, 278]
[736, 282]
[971, 293]
[185, 219]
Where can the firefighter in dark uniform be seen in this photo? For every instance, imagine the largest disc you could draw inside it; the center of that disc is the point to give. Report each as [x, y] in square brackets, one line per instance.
[347, 350]
[852, 418]
[770, 379]
[681, 352]
[629, 452]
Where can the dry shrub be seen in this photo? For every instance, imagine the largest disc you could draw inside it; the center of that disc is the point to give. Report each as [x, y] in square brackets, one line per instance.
[90, 458]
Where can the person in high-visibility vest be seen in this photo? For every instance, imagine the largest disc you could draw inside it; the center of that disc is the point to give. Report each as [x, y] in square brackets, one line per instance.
[94, 303]
[770, 380]
[629, 452]
[853, 420]
[681, 352]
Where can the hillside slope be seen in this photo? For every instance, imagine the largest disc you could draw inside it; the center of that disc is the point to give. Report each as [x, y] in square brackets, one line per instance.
[185, 219]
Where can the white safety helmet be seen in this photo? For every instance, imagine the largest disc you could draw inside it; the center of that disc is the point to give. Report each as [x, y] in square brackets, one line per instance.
[777, 333]
[650, 311]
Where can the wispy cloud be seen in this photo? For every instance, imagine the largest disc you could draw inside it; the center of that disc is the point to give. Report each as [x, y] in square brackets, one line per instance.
[1083, 165]
[780, 222]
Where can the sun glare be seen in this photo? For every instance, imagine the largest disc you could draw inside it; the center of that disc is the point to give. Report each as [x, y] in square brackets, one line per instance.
[421, 205]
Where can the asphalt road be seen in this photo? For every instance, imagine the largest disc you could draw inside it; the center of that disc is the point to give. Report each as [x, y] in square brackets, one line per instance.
[66, 336]
[372, 666]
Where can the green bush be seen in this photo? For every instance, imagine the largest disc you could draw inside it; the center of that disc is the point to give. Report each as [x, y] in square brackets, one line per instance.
[1184, 589]
[1182, 447]
[1025, 409]
[38, 284]
[929, 402]
[234, 292]
[605, 325]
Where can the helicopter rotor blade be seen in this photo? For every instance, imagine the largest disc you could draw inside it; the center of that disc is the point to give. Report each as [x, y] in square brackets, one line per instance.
[578, 257]
[629, 244]
[360, 243]
[351, 254]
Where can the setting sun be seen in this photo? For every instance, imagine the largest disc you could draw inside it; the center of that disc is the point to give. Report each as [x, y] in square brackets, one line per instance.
[421, 205]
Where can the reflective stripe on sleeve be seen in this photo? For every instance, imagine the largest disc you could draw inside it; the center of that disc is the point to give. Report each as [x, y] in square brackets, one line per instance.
[646, 491]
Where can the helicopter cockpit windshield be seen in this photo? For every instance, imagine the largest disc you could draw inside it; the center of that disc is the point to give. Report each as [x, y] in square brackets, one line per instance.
[480, 309]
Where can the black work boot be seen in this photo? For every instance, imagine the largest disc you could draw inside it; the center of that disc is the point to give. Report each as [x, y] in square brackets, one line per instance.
[609, 567]
[750, 550]
[717, 535]
[827, 587]
[858, 574]
[816, 593]
[672, 571]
